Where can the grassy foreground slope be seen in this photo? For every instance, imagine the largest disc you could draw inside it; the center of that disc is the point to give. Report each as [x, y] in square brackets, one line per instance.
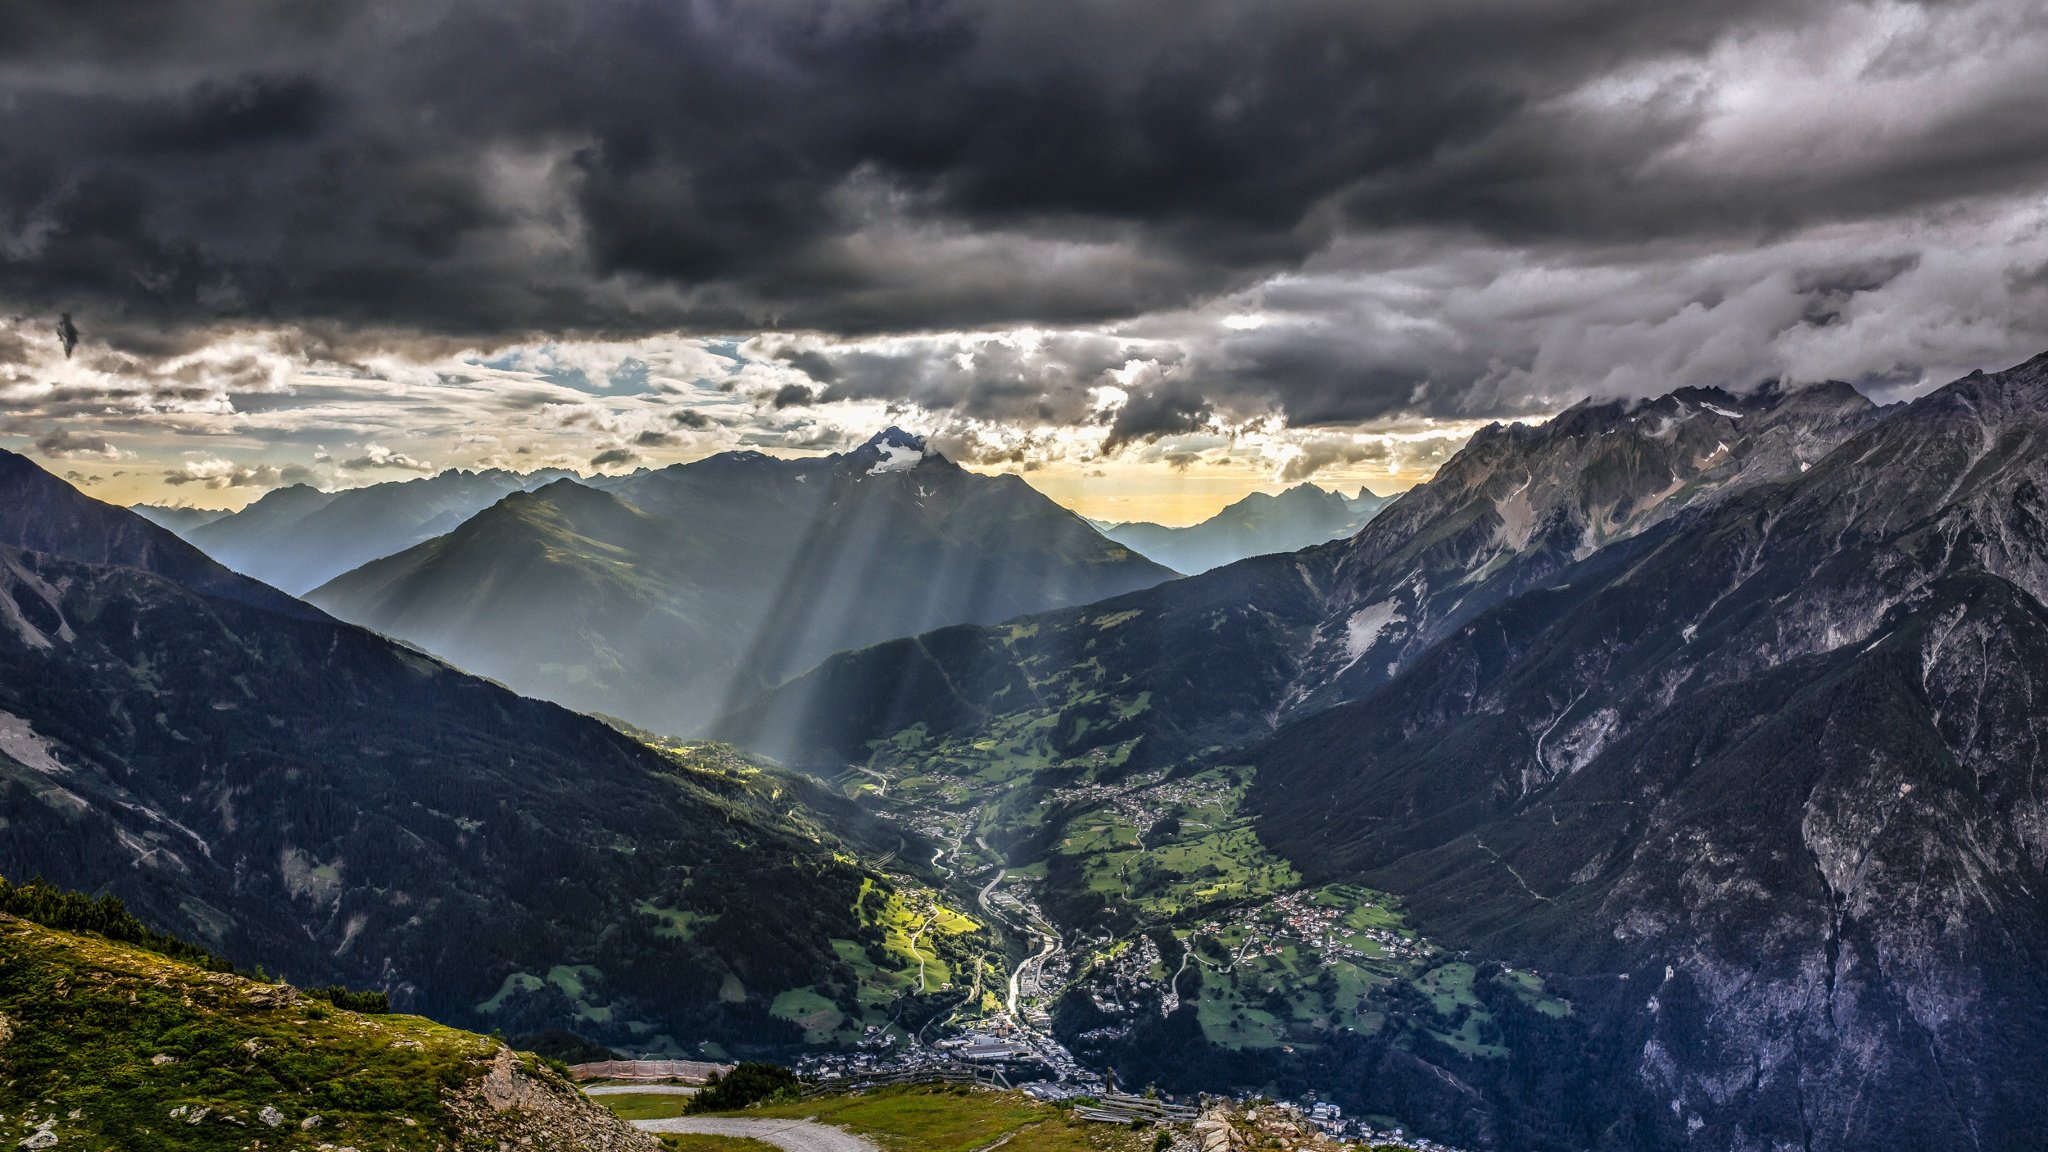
[106, 1045]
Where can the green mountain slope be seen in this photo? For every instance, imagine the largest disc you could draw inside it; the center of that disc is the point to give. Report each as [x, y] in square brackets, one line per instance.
[679, 591]
[1258, 525]
[110, 1045]
[300, 793]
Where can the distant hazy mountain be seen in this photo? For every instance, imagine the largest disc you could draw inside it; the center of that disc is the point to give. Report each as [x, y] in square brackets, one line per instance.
[299, 537]
[179, 520]
[297, 792]
[1257, 525]
[678, 591]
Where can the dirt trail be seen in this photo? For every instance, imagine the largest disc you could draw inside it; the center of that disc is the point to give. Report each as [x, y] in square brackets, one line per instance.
[788, 1135]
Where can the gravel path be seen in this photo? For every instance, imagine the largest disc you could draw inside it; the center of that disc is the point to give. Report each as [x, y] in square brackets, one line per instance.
[788, 1135]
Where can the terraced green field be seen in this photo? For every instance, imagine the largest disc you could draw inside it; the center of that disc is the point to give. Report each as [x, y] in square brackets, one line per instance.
[1265, 961]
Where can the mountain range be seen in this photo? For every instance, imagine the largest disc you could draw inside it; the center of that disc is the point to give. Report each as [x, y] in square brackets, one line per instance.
[678, 592]
[1662, 775]
[1258, 525]
[1227, 655]
[1719, 711]
[299, 537]
[1765, 784]
[290, 790]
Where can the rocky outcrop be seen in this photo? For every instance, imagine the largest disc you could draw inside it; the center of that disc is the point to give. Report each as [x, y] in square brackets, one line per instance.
[523, 1102]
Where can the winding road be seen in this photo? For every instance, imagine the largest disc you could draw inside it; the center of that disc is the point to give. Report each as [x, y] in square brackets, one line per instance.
[1034, 926]
[788, 1135]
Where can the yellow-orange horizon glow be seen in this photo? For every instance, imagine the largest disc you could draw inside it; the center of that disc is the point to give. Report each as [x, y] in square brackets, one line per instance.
[1111, 491]
[1177, 498]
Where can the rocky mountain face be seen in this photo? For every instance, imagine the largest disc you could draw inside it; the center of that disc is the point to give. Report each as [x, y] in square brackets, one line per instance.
[296, 792]
[297, 538]
[1520, 503]
[1258, 525]
[1227, 655]
[677, 592]
[1764, 783]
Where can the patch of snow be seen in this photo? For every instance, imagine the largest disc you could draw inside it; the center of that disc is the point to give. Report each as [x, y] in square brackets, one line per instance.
[1722, 412]
[896, 458]
[20, 742]
[1363, 630]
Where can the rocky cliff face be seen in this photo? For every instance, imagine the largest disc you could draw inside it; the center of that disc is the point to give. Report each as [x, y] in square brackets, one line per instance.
[1520, 503]
[1765, 782]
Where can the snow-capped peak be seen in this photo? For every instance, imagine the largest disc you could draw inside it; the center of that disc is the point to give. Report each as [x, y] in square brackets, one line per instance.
[899, 450]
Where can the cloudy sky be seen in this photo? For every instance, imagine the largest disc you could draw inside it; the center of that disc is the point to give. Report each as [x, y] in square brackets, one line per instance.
[1153, 253]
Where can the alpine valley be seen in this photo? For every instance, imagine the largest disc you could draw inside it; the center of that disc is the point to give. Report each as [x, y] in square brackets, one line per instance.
[1663, 775]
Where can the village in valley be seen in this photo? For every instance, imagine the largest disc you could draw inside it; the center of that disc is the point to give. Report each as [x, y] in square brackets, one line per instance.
[1196, 914]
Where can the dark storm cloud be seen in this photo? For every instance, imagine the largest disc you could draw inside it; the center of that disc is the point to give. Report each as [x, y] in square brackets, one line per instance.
[792, 396]
[1041, 379]
[1164, 410]
[507, 167]
[66, 442]
[1450, 209]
